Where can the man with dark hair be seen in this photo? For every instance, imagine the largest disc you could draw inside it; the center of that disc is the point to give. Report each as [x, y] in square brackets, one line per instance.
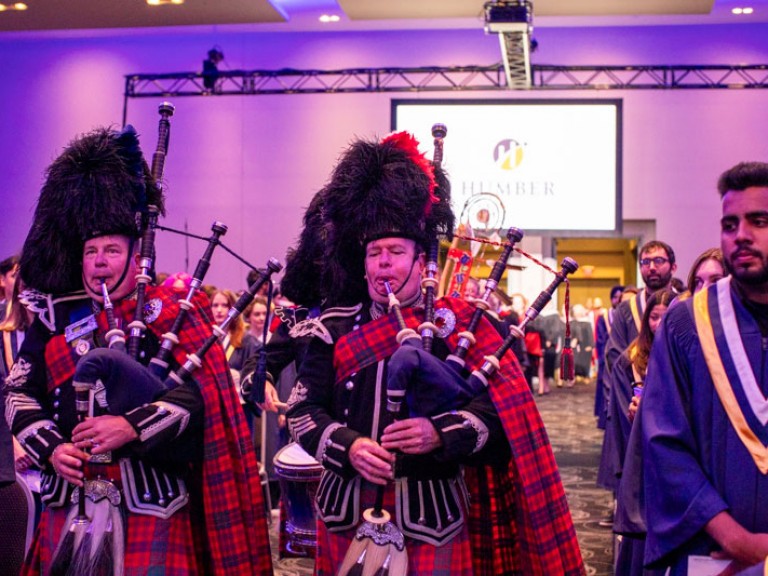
[382, 205]
[168, 484]
[704, 408]
[657, 267]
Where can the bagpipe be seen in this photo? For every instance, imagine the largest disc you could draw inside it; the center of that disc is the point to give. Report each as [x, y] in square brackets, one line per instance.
[427, 385]
[149, 382]
[128, 383]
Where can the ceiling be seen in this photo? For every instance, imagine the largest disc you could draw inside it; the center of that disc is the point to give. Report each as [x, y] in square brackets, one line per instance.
[302, 15]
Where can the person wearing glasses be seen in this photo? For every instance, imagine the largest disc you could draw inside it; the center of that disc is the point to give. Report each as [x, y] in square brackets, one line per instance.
[657, 267]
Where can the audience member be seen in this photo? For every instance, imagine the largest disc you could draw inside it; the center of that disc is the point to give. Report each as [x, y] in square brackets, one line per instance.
[627, 377]
[657, 265]
[707, 269]
[472, 289]
[705, 469]
[583, 341]
[238, 344]
[257, 317]
[552, 329]
[602, 333]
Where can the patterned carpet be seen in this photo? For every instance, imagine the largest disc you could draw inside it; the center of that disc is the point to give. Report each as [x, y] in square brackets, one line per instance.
[567, 413]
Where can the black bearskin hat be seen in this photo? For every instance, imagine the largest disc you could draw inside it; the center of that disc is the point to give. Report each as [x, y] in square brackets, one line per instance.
[304, 263]
[99, 185]
[377, 190]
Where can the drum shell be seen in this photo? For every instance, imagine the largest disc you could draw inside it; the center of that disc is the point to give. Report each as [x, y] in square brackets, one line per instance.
[299, 476]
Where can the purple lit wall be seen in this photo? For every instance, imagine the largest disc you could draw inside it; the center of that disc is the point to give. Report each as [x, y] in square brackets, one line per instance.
[254, 162]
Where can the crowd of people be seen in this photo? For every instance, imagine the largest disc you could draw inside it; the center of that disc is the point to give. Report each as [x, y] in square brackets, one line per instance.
[683, 386]
[433, 459]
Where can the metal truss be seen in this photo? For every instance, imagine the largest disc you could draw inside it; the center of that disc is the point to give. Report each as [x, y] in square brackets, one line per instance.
[442, 79]
[453, 78]
[650, 77]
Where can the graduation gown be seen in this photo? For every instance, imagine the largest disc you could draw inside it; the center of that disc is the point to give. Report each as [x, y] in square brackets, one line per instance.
[618, 425]
[602, 333]
[624, 328]
[695, 463]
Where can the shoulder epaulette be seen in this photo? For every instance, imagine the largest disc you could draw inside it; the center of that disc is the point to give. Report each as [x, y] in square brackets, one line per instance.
[341, 312]
[43, 305]
[316, 326]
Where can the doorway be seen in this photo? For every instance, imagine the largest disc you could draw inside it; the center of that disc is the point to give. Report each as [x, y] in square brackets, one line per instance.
[603, 263]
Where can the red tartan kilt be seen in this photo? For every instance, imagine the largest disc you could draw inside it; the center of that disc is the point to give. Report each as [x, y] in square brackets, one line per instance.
[153, 545]
[453, 558]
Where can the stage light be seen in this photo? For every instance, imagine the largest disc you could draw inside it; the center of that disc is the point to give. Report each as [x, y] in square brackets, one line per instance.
[16, 6]
[512, 20]
[326, 18]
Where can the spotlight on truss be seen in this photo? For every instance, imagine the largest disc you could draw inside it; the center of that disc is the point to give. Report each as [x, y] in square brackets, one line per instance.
[512, 20]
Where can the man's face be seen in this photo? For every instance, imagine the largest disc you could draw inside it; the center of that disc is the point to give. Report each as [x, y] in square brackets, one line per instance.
[616, 299]
[744, 235]
[393, 260]
[655, 268]
[104, 260]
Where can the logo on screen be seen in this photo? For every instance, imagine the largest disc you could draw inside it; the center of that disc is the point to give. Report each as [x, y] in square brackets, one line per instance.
[508, 154]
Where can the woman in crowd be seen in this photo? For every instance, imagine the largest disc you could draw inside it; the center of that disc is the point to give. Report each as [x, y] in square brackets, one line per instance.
[238, 344]
[628, 376]
[256, 315]
[707, 269]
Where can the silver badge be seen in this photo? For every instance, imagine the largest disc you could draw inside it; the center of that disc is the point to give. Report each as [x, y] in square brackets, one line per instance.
[152, 310]
[82, 347]
[445, 320]
[80, 328]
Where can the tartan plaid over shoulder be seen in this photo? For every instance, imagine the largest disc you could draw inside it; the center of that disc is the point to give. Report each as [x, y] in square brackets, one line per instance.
[236, 529]
[519, 519]
[235, 534]
[59, 361]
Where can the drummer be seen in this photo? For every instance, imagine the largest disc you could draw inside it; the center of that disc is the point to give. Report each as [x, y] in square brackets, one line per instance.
[381, 205]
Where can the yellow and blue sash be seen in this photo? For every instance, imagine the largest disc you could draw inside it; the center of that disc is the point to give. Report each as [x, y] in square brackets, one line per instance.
[730, 369]
[637, 307]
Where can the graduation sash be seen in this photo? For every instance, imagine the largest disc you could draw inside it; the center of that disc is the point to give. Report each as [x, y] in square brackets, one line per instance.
[608, 317]
[721, 343]
[637, 307]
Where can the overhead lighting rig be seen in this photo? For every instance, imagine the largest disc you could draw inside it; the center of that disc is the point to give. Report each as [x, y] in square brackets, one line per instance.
[512, 20]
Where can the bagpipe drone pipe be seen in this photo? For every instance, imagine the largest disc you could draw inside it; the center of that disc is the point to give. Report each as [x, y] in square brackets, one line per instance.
[127, 382]
[429, 385]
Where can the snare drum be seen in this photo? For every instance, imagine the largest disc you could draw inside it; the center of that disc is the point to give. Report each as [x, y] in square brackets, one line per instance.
[299, 475]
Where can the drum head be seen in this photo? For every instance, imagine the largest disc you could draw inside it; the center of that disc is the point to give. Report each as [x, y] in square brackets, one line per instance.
[294, 456]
